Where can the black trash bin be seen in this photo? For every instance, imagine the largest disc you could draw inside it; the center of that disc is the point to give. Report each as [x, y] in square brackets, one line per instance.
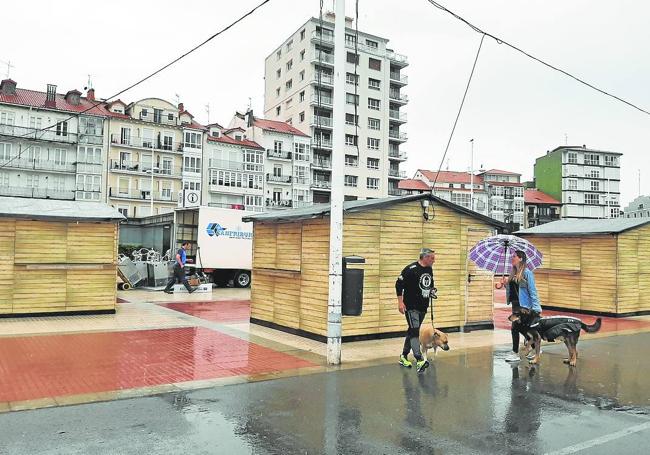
[352, 295]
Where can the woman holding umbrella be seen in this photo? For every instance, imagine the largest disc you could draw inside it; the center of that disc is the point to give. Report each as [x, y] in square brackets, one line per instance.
[521, 292]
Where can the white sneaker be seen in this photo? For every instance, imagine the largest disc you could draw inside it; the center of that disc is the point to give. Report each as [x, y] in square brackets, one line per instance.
[512, 357]
[531, 354]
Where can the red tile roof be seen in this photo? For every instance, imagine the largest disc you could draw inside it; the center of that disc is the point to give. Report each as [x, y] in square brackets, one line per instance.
[537, 197]
[413, 184]
[499, 172]
[451, 177]
[228, 140]
[32, 98]
[278, 127]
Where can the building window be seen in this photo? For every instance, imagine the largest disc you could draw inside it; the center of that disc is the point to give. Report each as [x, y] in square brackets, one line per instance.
[302, 96]
[373, 163]
[374, 123]
[278, 73]
[277, 92]
[289, 45]
[192, 140]
[351, 98]
[372, 183]
[374, 64]
[374, 84]
[302, 116]
[372, 44]
[144, 113]
[62, 129]
[351, 161]
[170, 117]
[288, 102]
[592, 199]
[594, 174]
[289, 65]
[302, 75]
[595, 186]
[300, 151]
[191, 164]
[157, 115]
[289, 121]
[374, 104]
[351, 180]
[352, 79]
[302, 34]
[351, 139]
[289, 84]
[573, 184]
[611, 160]
[277, 146]
[592, 159]
[350, 39]
[353, 58]
[302, 55]
[277, 110]
[7, 118]
[351, 119]
[373, 143]
[87, 155]
[5, 151]
[463, 199]
[278, 54]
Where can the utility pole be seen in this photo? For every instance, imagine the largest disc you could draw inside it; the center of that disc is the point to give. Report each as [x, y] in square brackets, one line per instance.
[471, 177]
[336, 201]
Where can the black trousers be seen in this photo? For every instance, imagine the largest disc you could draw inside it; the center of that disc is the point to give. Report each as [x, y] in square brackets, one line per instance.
[414, 319]
[178, 276]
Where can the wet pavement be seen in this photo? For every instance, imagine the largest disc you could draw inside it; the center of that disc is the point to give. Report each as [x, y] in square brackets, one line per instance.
[466, 402]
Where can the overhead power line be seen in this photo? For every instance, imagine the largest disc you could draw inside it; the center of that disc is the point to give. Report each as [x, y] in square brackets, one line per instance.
[154, 73]
[527, 54]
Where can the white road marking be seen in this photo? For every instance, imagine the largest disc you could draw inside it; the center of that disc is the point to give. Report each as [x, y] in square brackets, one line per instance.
[601, 440]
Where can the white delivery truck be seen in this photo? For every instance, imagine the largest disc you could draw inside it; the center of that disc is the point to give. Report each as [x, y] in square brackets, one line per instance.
[221, 245]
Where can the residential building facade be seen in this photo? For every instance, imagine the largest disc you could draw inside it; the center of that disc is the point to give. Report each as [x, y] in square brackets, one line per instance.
[299, 86]
[505, 196]
[145, 157]
[540, 208]
[586, 181]
[638, 208]
[52, 146]
[194, 135]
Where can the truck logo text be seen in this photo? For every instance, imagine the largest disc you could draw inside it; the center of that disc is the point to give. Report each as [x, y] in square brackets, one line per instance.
[216, 230]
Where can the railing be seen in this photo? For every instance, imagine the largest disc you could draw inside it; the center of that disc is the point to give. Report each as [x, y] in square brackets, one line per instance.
[162, 119]
[324, 58]
[144, 195]
[362, 47]
[278, 154]
[397, 173]
[37, 193]
[404, 79]
[132, 166]
[322, 163]
[299, 204]
[282, 179]
[321, 143]
[40, 165]
[37, 134]
[397, 155]
[147, 143]
[324, 80]
[396, 96]
[395, 57]
[318, 121]
[325, 38]
[397, 135]
[321, 184]
[235, 166]
[322, 100]
[91, 139]
[396, 192]
[397, 115]
[283, 203]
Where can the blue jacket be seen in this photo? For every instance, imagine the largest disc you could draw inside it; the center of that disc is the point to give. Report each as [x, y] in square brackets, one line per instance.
[528, 297]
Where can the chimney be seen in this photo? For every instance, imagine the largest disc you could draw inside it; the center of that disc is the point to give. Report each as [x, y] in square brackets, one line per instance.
[90, 94]
[250, 117]
[50, 96]
[181, 107]
[8, 87]
[73, 97]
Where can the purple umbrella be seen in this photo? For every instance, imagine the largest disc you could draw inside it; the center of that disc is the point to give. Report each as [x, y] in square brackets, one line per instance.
[494, 253]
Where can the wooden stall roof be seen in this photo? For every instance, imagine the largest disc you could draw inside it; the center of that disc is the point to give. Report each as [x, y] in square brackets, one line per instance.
[323, 210]
[581, 228]
[55, 210]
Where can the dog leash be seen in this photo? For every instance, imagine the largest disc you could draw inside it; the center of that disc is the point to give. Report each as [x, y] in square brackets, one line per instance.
[432, 297]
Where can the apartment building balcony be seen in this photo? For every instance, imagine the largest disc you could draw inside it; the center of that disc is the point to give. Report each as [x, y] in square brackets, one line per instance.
[397, 136]
[321, 185]
[318, 121]
[325, 80]
[397, 59]
[155, 144]
[396, 192]
[278, 179]
[133, 167]
[321, 143]
[279, 204]
[322, 38]
[37, 193]
[362, 47]
[322, 163]
[154, 116]
[301, 204]
[143, 195]
[37, 134]
[235, 166]
[39, 165]
[91, 139]
[396, 155]
[399, 79]
[396, 116]
[396, 174]
[322, 101]
[323, 59]
[282, 155]
[397, 97]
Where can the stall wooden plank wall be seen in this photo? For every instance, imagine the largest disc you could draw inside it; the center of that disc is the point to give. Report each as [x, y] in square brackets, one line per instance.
[633, 278]
[48, 266]
[291, 290]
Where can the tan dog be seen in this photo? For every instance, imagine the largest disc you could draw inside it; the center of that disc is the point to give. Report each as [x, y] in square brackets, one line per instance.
[431, 337]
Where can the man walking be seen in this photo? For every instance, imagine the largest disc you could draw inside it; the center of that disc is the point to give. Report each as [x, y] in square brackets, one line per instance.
[414, 287]
[179, 270]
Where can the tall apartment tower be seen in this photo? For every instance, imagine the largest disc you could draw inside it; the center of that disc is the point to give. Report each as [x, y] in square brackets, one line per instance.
[299, 85]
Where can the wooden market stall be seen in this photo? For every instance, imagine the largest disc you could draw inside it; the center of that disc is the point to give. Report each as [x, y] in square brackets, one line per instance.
[57, 257]
[594, 266]
[291, 263]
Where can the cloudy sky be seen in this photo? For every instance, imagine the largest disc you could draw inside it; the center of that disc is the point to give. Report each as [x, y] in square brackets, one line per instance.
[515, 111]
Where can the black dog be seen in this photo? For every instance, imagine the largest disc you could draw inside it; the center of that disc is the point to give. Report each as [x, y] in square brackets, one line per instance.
[553, 328]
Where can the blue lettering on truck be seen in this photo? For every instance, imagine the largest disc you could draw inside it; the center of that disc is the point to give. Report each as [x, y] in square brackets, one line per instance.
[216, 230]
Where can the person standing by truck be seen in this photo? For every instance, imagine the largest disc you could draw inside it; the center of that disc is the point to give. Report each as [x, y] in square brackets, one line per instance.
[179, 270]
